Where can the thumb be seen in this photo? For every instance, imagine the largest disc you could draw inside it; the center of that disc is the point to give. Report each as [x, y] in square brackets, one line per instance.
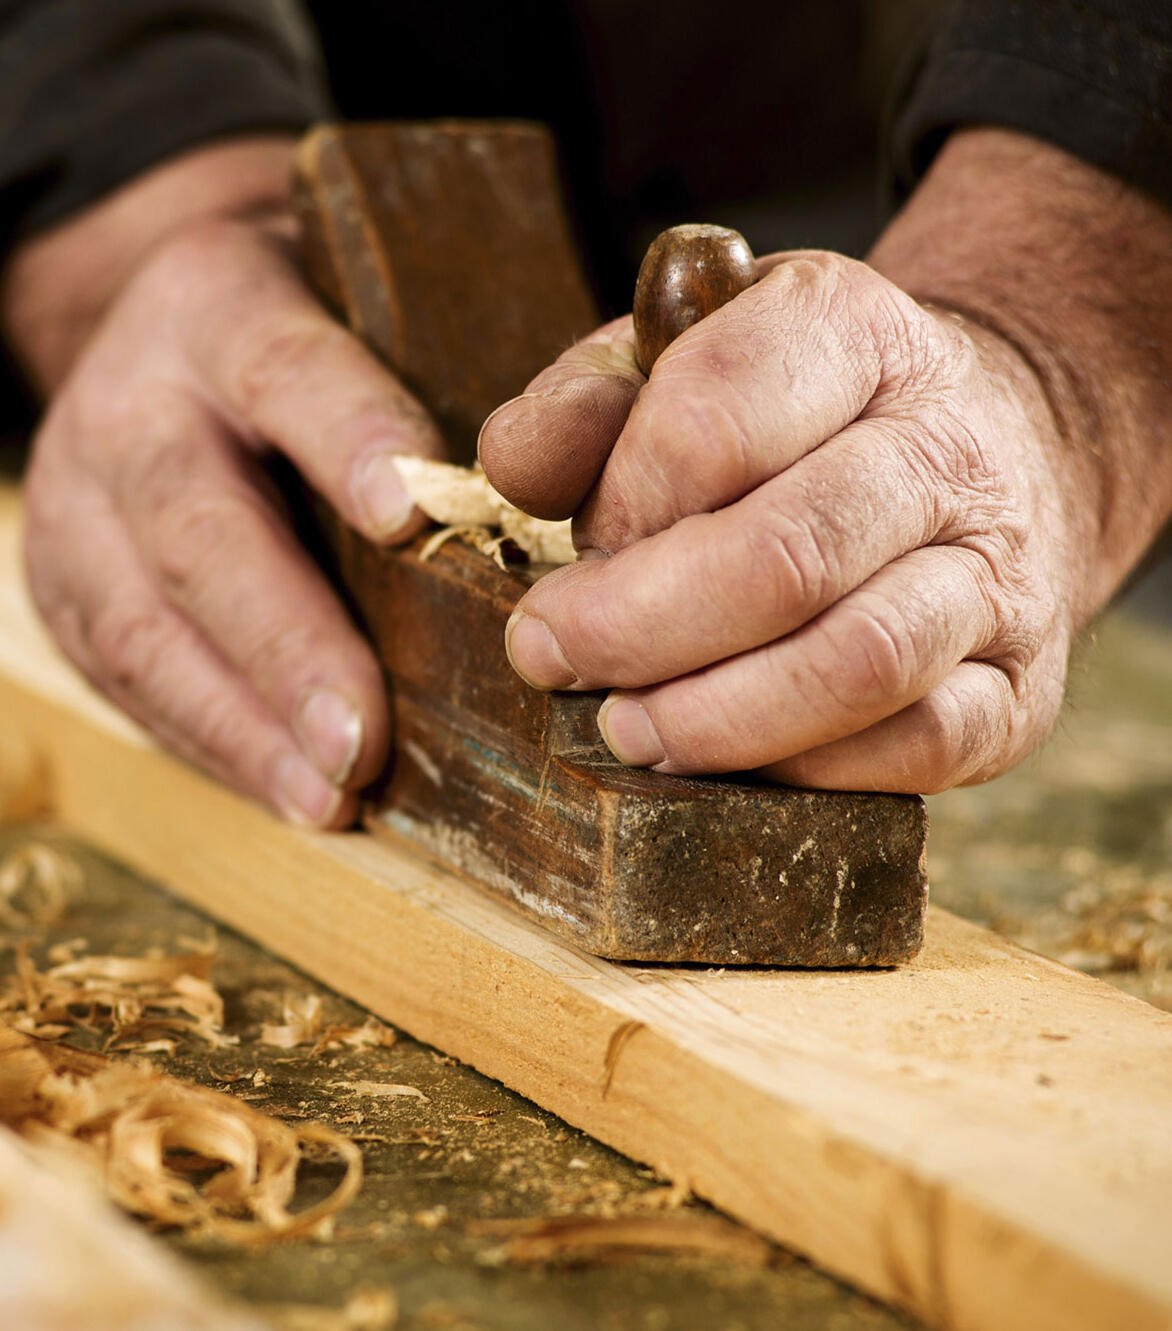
[545, 449]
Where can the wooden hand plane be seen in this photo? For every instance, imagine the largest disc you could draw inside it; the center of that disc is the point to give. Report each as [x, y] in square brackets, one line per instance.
[445, 247]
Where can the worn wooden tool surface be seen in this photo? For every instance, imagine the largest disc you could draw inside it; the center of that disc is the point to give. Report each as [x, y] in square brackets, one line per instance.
[446, 248]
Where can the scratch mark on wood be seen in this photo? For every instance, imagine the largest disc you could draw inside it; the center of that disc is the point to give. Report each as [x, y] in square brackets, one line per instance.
[620, 1037]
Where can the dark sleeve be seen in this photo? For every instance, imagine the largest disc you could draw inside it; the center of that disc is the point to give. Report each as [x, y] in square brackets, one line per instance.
[92, 92]
[1092, 76]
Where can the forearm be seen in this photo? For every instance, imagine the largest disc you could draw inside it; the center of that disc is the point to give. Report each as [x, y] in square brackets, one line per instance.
[1074, 270]
[57, 285]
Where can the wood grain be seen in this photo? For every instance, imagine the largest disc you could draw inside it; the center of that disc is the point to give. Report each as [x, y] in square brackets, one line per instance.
[981, 1136]
[447, 246]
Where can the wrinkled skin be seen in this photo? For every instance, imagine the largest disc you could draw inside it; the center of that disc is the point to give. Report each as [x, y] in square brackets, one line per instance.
[845, 534]
[158, 552]
[821, 540]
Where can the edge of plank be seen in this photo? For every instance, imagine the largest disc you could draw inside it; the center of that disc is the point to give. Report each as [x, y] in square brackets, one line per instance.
[915, 1132]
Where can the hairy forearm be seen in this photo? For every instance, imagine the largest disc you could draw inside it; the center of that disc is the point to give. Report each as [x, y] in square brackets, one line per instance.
[1074, 270]
[55, 287]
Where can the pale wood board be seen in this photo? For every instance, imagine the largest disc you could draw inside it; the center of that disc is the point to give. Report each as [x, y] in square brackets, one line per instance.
[983, 1136]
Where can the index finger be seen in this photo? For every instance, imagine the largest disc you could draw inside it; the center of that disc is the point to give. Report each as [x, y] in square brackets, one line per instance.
[285, 374]
[545, 449]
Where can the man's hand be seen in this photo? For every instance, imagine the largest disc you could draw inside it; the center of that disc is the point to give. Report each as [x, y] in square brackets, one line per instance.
[844, 535]
[156, 548]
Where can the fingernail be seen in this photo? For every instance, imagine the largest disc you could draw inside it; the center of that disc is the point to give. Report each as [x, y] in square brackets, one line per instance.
[330, 731]
[629, 734]
[535, 655]
[382, 496]
[303, 794]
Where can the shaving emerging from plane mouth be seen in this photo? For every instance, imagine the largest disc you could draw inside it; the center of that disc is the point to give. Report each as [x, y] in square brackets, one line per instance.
[469, 509]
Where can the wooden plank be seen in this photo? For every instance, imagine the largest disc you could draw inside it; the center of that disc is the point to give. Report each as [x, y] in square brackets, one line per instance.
[981, 1136]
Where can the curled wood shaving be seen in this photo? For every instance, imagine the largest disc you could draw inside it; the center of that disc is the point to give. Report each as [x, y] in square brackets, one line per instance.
[135, 997]
[372, 1034]
[470, 510]
[36, 882]
[301, 1023]
[581, 1239]
[619, 1039]
[180, 1155]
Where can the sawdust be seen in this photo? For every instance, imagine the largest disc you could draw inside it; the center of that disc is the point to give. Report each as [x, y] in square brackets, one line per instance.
[370, 1308]
[470, 510]
[182, 1156]
[669, 1197]
[382, 1090]
[1117, 920]
[574, 1240]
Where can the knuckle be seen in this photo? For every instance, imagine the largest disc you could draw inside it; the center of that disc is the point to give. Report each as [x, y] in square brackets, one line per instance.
[129, 642]
[838, 299]
[190, 268]
[201, 249]
[279, 650]
[948, 736]
[1023, 606]
[967, 466]
[194, 533]
[883, 655]
[1034, 696]
[791, 569]
[701, 444]
[222, 739]
[269, 358]
[161, 474]
[927, 357]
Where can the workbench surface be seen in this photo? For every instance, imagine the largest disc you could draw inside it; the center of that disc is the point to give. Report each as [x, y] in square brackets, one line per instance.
[1071, 854]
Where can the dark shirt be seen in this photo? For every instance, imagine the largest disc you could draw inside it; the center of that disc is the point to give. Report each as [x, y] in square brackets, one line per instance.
[1092, 76]
[663, 110]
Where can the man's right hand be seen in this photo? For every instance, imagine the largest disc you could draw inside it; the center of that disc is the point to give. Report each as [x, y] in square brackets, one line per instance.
[156, 548]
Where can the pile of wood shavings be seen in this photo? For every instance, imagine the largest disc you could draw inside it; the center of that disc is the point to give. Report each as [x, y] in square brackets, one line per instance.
[1125, 928]
[179, 1155]
[470, 510]
[1117, 919]
[137, 998]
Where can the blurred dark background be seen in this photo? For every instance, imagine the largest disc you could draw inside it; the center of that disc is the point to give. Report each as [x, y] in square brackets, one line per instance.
[767, 117]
